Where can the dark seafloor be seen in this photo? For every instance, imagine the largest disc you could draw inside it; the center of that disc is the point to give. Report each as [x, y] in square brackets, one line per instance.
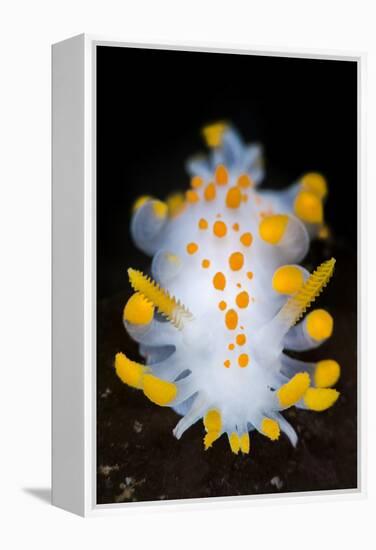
[138, 458]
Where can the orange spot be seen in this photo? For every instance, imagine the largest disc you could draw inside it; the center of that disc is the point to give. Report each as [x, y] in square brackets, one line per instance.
[219, 229]
[242, 299]
[244, 181]
[246, 239]
[241, 327]
[241, 339]
[231, 319]
[236, 261]
[238, 285]
[227, 363]
[231, 347]
[221, 175]
[233, 197]
[196, 182]
[222, 305]
[205, 263]
[210, 192]
[250, 275]
[203, 224]
[235, 227]
[243, 360]
[219, 281]
[192, 248]
[245, 197]
[192, 196]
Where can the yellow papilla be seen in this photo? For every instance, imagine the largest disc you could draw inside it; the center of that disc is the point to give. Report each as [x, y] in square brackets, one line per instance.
[287, 279]
[234, 442]
[319, 324]
[272, 228]
[138, 310]
[175, 204]
[212, 421]
[140, 202]
[320, 399]
[316, 183]
[308, 207]
[270, 428]
[213, 133]
[327, 373]
[293, 391]
[128, 371]
[160, 209]
[159, 391]
[209, 439]
[244, 443]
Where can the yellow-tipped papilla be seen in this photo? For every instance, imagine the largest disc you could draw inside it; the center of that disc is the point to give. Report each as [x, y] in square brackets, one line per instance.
[272, 228]
[175, 204]
[159, 391]
[327, 373]
[138, 310]
[293, 391]
[288, 279]
[234, 442]
[308, 207]
[319, 324]
[209, 439]
[129, 372]
[244, 443]
[316, 183]
[160, 209]
[212, 421]
[320, 399]
[270, 428]
[213, 133]
[140, 202]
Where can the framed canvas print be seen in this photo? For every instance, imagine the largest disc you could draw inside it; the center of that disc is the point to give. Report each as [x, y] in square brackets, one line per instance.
[205, 275]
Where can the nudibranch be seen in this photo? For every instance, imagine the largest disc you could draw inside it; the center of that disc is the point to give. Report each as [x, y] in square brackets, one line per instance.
[226, 298]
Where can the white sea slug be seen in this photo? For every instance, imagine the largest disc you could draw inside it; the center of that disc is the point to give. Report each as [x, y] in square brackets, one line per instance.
[225, 298]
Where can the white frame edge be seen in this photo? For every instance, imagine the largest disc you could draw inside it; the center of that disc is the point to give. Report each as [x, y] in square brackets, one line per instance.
[74, 280]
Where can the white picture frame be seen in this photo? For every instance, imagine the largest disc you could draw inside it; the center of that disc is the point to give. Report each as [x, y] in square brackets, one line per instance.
[74, 278]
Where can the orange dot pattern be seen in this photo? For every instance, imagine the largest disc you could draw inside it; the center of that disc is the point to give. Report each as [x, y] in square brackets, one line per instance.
[220, 229]
[222, 305]
[202, 224]
[192, 248]
[243, 360]
[242, 299]
[241, 339]
[244, 181]
[221, 175]
[227, 363]
[236, 261]
[205, 263]
[231, 319]
[219, 281]
[196, 182]
[192, 196]
[246, 239]
[233, 197]
[210, 193]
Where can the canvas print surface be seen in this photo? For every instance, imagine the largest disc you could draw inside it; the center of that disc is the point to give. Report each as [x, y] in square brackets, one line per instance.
[226, 274]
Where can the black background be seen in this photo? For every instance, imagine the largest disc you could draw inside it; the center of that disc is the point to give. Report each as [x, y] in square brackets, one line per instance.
[150, 107]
